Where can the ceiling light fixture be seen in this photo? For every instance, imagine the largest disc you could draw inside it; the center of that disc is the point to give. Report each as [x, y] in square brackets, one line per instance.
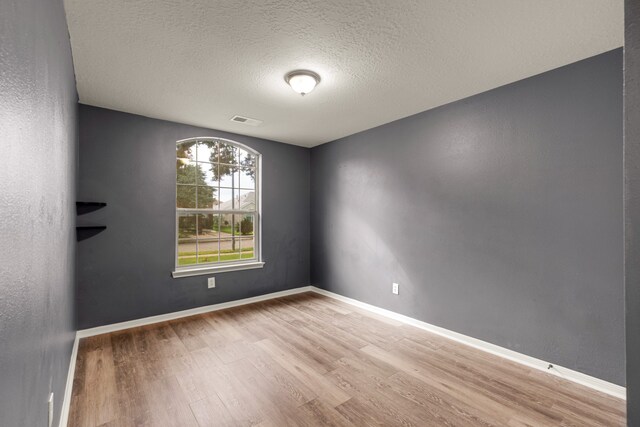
[302, 81]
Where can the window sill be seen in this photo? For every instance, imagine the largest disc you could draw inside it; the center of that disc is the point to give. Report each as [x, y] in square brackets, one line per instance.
[187, 272]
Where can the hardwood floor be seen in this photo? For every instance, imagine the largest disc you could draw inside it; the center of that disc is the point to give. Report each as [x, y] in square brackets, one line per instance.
[308, 360]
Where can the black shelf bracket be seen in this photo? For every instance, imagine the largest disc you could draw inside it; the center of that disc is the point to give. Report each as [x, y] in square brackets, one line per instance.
[85, 231]
[86, 207]
[91, 227]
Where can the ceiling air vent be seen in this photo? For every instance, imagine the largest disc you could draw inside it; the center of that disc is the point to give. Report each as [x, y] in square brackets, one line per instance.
[246, 120]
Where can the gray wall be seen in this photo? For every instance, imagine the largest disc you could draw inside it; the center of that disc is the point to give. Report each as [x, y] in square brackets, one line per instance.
[632, 205]
[38, 130]
[500, 216]
[128, 161]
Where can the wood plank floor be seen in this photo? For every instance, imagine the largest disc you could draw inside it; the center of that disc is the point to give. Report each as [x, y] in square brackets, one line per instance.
[308, 360]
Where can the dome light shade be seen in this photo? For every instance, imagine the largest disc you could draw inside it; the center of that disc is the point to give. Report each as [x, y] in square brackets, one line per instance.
[302, 81]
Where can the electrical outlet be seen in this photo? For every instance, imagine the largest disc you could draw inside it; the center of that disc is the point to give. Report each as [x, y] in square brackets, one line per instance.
[50, 409]
[395, 288]
[211, 282]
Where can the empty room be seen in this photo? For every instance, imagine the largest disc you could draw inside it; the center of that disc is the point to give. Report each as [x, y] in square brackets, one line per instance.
[319, 213]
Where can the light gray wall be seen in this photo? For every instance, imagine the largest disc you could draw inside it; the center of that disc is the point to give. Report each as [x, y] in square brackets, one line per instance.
[128, 161]
[500, 216]
[632, 205]
[38, 130]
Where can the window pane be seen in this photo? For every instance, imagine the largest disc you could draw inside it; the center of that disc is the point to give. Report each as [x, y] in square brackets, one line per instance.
[185, 152]
[186, 196]
[236, 219]
[246, 159]
[246, 225]
[207, 226]
[186, 239]
[227, 154]
[229, 176]
[229, 250]
[186, 251]
[247, 178]
[208, 174]
[227, 199]
[246, 237]
[207, 197]
[185, 172]
[208, 235]
[224, 226]
[247, 200]
[207, 151]
[208, 251]
[186, 226]
[247, 251]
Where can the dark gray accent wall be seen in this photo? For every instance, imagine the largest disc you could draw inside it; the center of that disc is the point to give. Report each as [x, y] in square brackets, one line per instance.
[38, 130]
[632, 205]
[124, 273]
[499, 215]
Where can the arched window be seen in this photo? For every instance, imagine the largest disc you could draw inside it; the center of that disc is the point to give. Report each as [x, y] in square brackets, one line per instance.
[217, 206]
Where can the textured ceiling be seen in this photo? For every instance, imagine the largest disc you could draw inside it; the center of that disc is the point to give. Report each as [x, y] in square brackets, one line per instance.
[202, 61]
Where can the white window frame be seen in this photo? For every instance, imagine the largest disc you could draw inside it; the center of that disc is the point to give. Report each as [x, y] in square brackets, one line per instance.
[225, 266]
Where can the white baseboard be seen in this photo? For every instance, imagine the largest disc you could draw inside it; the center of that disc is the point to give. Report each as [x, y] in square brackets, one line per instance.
[566, 373]
[83, 333]
[66, 400]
